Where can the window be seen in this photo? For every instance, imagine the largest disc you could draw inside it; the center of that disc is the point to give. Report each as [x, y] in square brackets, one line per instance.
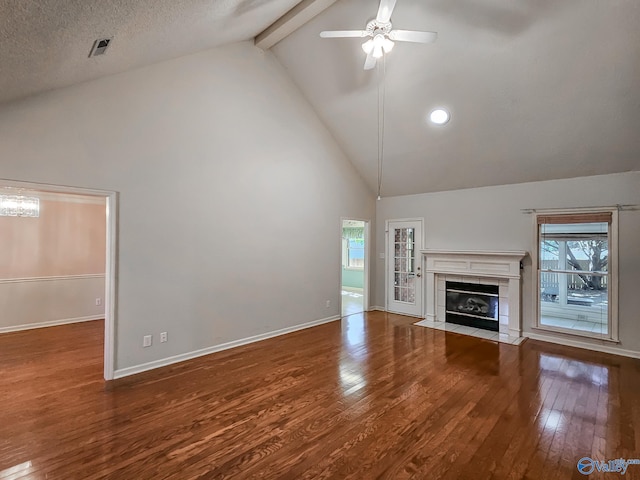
[575, 274]
[353, 244]
[355, 253]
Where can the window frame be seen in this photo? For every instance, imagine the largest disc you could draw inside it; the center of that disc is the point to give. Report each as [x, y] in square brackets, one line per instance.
[612, 285]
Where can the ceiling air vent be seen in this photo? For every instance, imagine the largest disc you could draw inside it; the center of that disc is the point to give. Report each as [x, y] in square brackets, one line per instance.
[100, 46]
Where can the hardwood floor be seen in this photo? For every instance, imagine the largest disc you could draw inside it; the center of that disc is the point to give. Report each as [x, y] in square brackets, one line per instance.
[371, 397]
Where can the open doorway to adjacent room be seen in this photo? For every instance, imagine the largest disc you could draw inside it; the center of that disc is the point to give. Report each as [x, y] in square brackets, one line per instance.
[57, 276]
[354, 275]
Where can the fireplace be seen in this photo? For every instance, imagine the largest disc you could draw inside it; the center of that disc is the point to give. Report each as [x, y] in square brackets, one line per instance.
[473, 305]
[500, 269]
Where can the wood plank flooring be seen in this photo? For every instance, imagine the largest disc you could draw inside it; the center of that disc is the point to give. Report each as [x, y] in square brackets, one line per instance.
[372, 396]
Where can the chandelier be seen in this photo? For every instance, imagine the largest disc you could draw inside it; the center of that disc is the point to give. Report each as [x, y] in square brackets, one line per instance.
[19, 206]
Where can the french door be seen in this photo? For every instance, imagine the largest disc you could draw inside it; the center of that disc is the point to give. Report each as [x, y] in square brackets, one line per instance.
[404, 267]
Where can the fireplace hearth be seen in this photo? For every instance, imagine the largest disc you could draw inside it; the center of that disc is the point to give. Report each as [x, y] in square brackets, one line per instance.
[473, 305]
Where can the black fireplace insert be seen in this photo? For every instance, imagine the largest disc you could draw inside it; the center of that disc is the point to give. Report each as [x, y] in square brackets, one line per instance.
[473, 305]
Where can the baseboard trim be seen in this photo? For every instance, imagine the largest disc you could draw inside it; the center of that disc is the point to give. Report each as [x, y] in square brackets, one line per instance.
[125, 372]
[377, 308]
[52, 323]
[421, 317]
[578, 344]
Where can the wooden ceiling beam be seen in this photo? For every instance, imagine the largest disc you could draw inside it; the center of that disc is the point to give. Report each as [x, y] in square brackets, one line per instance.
[291, 21]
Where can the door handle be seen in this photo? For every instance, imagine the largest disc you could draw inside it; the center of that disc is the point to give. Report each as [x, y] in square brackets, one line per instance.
[418, 275]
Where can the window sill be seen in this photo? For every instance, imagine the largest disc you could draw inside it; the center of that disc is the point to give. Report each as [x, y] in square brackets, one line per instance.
[356, 269]
[575, 333]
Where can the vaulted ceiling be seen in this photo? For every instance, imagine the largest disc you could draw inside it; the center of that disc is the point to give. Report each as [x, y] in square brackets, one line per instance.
[537, 89]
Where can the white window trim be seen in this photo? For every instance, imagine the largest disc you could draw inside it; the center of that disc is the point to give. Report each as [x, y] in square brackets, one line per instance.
[345, 252]
[612, 314]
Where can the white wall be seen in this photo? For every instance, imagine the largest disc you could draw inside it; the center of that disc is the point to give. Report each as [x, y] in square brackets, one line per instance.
[41, 302]
[490, 218]
[230, 194]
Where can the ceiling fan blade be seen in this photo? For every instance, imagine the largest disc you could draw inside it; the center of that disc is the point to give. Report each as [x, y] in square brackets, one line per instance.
[370, 62]
[343, 34]
[385, 10]
[412, 36]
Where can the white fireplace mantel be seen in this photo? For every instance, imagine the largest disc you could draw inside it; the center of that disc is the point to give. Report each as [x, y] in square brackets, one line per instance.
[479, 263]
[499, 267]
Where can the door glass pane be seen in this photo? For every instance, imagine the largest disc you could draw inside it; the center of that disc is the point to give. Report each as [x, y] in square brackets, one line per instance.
[397, 264]
[404, 262]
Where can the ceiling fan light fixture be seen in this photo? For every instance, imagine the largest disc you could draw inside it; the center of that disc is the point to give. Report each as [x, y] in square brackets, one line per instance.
[439, 116]
[368, 46]
[383, 36]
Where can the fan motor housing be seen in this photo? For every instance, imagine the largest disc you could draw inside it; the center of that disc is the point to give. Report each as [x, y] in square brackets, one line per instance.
[374, 27]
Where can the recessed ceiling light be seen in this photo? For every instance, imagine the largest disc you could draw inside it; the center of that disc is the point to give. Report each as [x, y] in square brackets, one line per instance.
[439, 116]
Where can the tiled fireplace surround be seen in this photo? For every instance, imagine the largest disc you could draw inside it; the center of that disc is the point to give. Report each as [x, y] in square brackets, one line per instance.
[481, 267]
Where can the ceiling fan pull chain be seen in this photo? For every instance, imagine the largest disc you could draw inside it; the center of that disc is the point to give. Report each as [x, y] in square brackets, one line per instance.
[381, 101]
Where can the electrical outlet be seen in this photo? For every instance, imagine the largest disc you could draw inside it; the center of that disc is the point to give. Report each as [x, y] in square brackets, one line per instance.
[147, 340]
[328, 303]
[163, 337]
[98, 302]
[582, 318]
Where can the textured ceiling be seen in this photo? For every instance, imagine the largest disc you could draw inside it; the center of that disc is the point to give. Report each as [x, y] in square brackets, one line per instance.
[45, 44]
[538, 89]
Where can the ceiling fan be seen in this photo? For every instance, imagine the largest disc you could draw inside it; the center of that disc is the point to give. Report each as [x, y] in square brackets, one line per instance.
[382, 36]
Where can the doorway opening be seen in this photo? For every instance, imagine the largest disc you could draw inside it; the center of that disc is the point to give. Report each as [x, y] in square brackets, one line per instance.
[59, 265]
[354, 270]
